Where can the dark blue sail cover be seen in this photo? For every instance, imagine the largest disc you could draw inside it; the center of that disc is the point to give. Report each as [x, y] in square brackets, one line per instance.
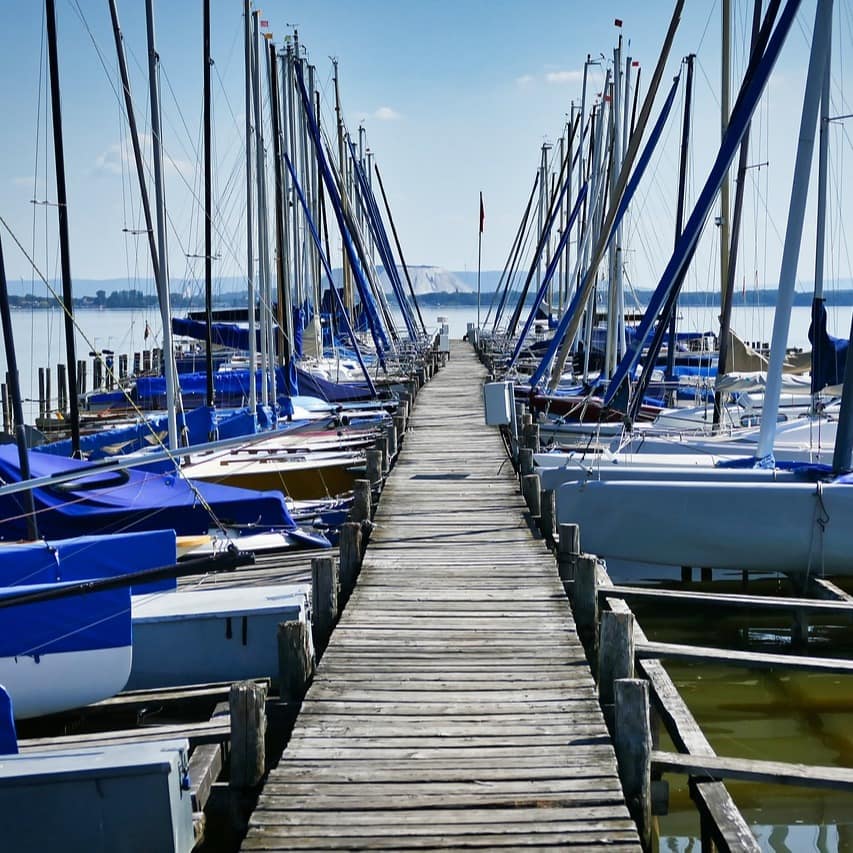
[125, 501]
[333, 392]
[829, 354]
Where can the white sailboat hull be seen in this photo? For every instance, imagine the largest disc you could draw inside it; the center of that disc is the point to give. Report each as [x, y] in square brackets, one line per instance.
[52, 682]
[780, 526]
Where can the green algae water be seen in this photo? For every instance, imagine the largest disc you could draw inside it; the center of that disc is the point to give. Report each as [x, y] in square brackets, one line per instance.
[775, 715]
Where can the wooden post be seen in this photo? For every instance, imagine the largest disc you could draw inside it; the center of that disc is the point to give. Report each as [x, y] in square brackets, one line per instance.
[61, 389]
[97, 373]
[373, 460]
[7, 408]
[48, 396]
[324, 600]
[400, 428]
[525, 461]
[531, 491]
[526, 420]
[146, 361]
[137, 363]
[531, 437]
[42, 404]
[585, 597]
[81, 376]
[391, 441]
[687, 574]
[247, 703]
[706, 574]
[633, 744]
[548, 514]
[800, 628]
[615, 652]
[295, 660]
[568, 551]
[122, 366]
[349, 545]
[361, 508]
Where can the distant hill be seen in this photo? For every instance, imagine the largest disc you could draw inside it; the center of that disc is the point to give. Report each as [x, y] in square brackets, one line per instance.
[430, 280]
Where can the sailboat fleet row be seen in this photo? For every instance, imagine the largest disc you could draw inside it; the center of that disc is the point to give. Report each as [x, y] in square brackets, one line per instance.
[710, 482]
[95, 528]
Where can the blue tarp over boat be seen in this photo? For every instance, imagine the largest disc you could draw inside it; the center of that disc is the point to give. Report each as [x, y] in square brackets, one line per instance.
[113, 501]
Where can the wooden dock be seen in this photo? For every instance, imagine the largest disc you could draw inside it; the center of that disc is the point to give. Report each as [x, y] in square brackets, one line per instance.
[453, 707]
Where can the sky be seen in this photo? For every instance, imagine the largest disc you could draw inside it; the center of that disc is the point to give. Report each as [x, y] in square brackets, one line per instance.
[457, 98]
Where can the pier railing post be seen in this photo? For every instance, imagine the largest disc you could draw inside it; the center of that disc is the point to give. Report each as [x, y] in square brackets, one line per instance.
[361, 501]
[547, 508]
[373, 464]
[568, 551]
[324, 600]
[615, 652]
[247, 704]
[531, 493]
[633, 744]
[585, 600]
[525, 461]
[349, 544]
[295, 660]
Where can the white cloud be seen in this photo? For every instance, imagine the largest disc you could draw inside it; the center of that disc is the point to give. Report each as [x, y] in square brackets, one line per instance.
[524, 80]
[561, 77]
[116, 159]
[386, 114]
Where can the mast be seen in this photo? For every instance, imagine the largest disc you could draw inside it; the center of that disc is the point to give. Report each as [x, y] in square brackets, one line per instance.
[162, 270]
[15, 392]
[679, 210]
[725, 111]
[62, 211]
[348, 295]
[250, 248]
[208, 211]
[793, 233]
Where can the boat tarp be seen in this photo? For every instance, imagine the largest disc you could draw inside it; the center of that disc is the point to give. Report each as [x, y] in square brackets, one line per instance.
[88, 557]
[829, 353]
[128, 500]
[333, 392]
[90, 620]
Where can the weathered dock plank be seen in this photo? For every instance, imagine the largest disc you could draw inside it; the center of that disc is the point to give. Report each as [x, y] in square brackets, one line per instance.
[453, 706]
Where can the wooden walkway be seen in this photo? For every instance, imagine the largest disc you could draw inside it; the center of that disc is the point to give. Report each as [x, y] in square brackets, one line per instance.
[453, 707]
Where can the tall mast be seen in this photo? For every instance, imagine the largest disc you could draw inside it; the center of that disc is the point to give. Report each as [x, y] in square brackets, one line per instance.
[725, 111]
[160, 206]
[250, 247]
[62, 211]
[15, 392]
[208, 210]
[348, 295]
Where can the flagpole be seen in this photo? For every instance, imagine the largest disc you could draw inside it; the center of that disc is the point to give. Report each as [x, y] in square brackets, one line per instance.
[479, 259]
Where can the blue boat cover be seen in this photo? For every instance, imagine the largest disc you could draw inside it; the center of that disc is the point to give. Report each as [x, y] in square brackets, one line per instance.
[88, 557]
[332, 392]
[126, 501]
[829, 354]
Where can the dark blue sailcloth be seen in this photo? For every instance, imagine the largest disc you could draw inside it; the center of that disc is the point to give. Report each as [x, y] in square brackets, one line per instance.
[127, 501]
[829, 354]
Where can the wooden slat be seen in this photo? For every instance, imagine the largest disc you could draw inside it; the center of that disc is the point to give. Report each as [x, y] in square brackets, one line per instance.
[454, 706]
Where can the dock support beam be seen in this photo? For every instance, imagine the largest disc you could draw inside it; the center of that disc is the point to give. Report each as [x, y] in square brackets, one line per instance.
[633, 743]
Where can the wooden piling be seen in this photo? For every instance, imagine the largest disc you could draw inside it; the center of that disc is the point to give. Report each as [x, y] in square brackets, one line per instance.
[531, 437]
[247, 703]
[615, 652]
[530, 490]
[585, 597]
[42, 403]
[349, 546]
[97, 373]
[633, 744]
[295, 660]
[137, 363]
[373, 462]
[7, 408]
[324, 600]
[361, 501]
[81, 376]
[525, 462]
[146, 361]
[391, 441]
[548, 514]
[122, 366]
[400, 427]
[568, 551]
[61, 389]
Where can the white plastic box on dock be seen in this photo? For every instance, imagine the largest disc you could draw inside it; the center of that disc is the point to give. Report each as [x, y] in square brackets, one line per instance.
[129, 797]
[444, 342]
[208, 635]
[498, 398]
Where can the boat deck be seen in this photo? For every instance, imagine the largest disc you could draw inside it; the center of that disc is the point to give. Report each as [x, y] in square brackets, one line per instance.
[453, 706]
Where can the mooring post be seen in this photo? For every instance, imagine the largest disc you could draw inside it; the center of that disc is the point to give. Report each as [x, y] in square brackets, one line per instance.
[361, 508]
[531, 436]
[247, 704]
[547, 508]
[585, 598]
[373, 462]
[615, 652]
[531, 491]
[633, 744]
[324, 600]
[525, 462]
[399, 428]
[7, 408]
[61, 389]
[391, 443]
[349, 545]
[295, 660]
[568, 551]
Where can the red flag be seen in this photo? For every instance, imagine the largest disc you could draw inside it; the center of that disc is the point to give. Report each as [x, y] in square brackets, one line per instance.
[635, 63]
[618, 22]
[482, 213]
[264, 23]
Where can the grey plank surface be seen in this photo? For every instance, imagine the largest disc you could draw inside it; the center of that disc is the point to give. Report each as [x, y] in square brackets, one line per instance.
[453, 706]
